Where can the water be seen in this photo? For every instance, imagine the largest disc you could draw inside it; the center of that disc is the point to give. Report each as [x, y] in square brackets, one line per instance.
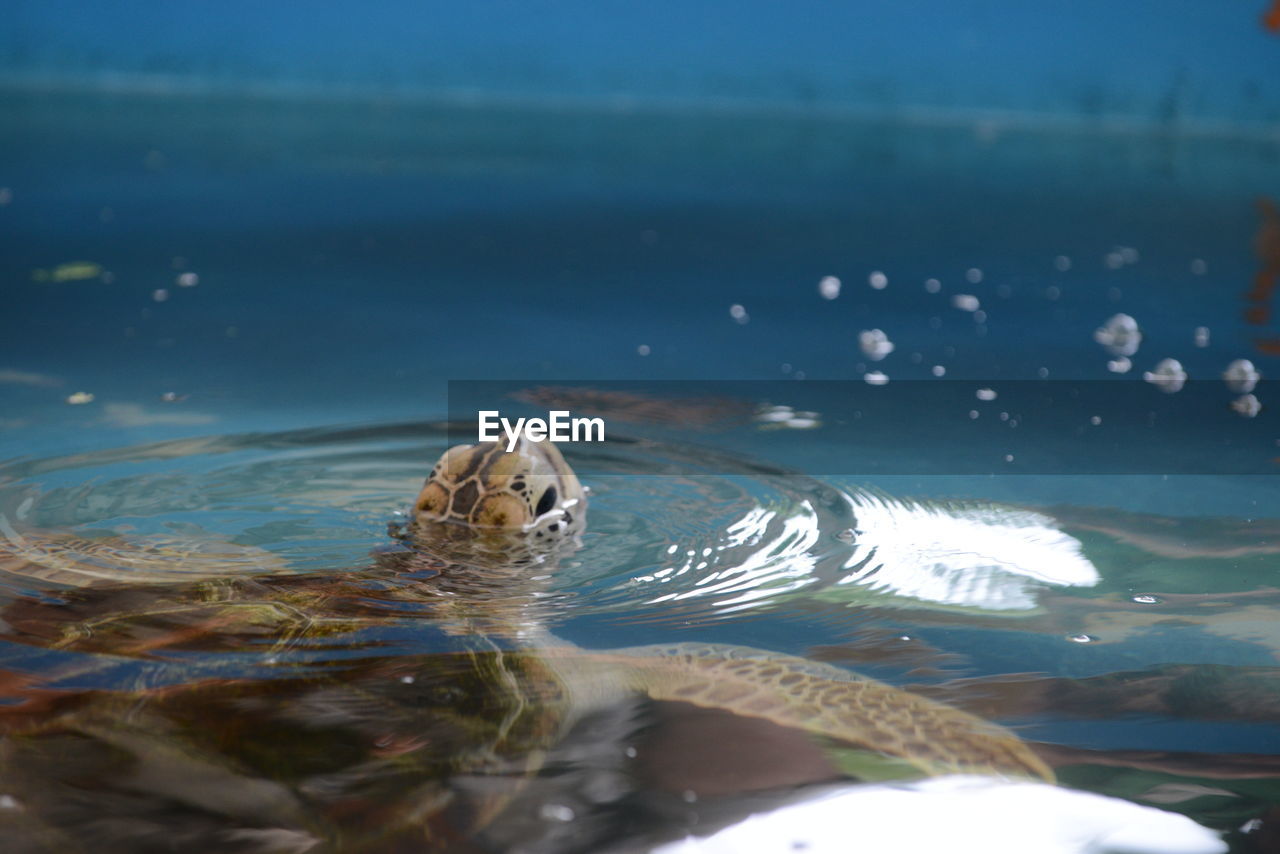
[1111, 597]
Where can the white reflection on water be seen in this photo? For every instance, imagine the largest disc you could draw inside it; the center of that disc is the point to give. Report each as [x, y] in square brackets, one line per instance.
[769, 553]
[981, 556]
[978, 556]
[966, 814]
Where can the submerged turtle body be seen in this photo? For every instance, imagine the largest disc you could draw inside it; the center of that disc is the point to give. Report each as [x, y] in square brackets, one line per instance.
[486, 523]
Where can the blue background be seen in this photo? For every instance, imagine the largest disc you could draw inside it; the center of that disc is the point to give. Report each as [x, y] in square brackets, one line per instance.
[1175, 59]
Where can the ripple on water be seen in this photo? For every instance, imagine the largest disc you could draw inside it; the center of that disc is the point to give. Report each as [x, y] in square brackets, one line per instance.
[681, 533]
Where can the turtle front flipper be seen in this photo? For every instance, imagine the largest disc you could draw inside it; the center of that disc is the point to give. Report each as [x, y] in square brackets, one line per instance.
[824, 700]
[63, 559]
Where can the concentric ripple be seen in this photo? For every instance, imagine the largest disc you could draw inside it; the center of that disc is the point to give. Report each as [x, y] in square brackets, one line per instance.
[679, 533]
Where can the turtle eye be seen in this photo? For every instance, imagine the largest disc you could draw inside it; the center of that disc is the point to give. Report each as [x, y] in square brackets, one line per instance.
[546, 502]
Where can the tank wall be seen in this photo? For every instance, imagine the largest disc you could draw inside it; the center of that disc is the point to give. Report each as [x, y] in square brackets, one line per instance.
[1170, 61]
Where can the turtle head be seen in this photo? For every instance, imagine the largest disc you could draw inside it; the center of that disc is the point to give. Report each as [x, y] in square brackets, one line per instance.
[529, 493]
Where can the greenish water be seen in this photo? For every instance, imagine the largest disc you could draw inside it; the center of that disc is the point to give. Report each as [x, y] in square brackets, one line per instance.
[336, 701]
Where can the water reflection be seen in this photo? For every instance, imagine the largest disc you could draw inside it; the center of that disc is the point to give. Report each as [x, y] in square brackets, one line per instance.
[317, 696]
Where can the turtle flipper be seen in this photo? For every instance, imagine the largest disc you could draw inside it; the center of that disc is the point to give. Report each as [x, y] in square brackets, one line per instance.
[67, 560]
[827, 701]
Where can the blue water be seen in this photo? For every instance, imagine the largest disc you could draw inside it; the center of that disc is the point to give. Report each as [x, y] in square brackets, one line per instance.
[353, 258]
[382, 250]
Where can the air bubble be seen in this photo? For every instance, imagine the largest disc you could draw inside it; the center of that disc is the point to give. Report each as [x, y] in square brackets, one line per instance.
[874, 344]
[557, 812]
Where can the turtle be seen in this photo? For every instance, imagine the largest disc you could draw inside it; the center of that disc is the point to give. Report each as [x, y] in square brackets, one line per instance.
[486, 532]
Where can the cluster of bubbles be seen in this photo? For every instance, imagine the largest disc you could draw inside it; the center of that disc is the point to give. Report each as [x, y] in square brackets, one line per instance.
[1121, 336]
[776, 417]
[83, 271]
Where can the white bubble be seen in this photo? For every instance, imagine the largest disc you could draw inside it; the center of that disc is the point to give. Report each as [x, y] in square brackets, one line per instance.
[775, 414]
[188, 280]
[1146, 599]
[935, 323]
[9, 802]
[1095, 420]
[985, 394]
[829, 287]
[1062, 263]
[1128, 254]
[1201, 336]
[6, 196]
[644, 350]
[939, 371]
[557, 812]
[1247, 405]
[874, 344]
[1119, 365]
[738, 313]
[1199, 267]
[1081, 638]
[878, 280]
[1241, 376]
[79, 398]
[1052, 292]
[408, 680]
[160, 295]
[1008, 458]
[1168, 376]
[1120, 335]
[932, 285]
[965, 302]
[786, 367]
[973, 414]
[973, 275]
[1113, 260]
[1042, 373]
[875, 378]
[979, 316]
